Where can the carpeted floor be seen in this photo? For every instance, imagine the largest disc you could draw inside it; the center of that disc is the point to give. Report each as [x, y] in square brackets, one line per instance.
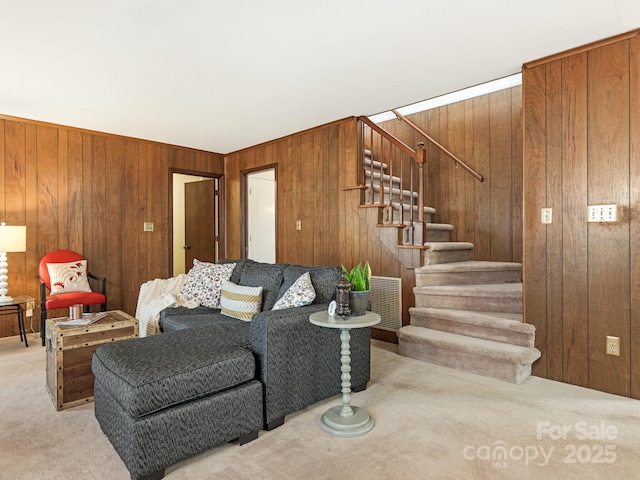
[431, 423]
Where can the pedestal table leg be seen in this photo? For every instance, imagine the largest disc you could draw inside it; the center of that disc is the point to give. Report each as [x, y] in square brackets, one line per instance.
[346, 420]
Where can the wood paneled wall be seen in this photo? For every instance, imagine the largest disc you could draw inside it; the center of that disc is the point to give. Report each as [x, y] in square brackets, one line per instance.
[90, 192]
[582, 147]
[486, 133]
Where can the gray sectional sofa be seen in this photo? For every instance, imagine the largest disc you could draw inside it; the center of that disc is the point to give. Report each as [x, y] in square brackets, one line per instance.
[209, 379]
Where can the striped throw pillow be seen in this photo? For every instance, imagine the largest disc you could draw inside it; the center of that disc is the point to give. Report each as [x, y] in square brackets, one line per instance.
[241, 302]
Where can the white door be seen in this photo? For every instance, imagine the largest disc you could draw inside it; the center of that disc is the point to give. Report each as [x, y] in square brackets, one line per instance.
[261, 216]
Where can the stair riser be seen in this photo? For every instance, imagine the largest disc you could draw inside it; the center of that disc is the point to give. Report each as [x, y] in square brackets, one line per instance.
[477, 303]
[444, 355]
[396, 217]
[377, 197]
[470, 330]
[376, 178]
[430, 279]
[446, 256]
[437, 235]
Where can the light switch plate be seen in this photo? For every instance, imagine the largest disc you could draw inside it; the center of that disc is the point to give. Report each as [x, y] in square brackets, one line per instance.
[602, 213]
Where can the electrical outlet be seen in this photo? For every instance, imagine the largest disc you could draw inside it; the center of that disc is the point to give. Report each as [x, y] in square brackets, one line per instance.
[29, 312]
[148, 226]
[602, 213]
[546, 215]
[613, 346]
[31, 305]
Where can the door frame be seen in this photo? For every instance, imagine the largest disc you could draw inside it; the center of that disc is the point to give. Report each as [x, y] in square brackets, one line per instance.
[220, 212]
[244, 205]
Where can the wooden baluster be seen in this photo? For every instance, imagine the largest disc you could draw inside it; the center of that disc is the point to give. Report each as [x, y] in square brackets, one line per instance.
[419, 230]
[401, 186]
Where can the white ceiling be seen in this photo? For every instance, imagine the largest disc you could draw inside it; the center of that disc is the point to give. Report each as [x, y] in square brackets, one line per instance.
[221, 76]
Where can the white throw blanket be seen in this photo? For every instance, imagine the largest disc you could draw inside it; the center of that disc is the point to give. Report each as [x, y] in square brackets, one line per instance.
[155, 296]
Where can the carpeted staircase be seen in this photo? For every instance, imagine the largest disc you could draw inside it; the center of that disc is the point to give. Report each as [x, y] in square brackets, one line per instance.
[468, 314]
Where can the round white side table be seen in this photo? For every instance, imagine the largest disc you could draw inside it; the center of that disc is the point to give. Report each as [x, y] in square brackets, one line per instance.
[345, 420]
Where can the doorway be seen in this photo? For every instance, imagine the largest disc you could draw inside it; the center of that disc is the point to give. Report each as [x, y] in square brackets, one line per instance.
[195, 220]
[261, 215]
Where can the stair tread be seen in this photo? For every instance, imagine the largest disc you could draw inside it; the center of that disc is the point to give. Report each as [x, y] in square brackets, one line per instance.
[502, 290]
[506, 320]
[435, 246]
[439, 226]
[482, 346]
[407, 207]
[469, 266]
[433, 226]
[507, 328]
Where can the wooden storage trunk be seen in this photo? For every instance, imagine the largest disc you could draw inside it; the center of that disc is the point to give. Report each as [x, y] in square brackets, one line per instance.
[69, 353]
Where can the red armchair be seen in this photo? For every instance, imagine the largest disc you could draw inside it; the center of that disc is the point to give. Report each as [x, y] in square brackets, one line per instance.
[65, 299]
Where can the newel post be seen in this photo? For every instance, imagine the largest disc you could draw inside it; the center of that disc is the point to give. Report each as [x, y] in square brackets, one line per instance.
[419, 231]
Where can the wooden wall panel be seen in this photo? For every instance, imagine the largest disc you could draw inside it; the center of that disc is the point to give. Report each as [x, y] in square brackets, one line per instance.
[482, 195]
[581, 114]
[534, 190]
[89, 192]
[634, 212]
[501, 175]
[431, 120]
[575, 337]
[516, 173]
[553, 180]
[470, 232]
[608, 182]
[457, 188]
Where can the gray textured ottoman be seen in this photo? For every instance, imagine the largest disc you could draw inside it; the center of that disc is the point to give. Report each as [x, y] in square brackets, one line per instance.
[160, 403]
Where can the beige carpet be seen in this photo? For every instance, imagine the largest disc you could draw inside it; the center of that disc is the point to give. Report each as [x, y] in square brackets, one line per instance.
[431, 423]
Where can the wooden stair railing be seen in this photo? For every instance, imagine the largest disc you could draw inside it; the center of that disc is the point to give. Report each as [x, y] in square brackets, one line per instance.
[383, 191]
[414, 231]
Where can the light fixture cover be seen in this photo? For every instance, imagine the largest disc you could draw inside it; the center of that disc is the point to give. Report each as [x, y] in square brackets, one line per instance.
[13, 238]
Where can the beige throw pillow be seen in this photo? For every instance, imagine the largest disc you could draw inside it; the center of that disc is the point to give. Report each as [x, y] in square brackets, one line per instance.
[240, 302]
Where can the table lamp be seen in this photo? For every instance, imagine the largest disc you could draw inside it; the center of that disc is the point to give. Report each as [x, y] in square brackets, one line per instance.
[12, 239]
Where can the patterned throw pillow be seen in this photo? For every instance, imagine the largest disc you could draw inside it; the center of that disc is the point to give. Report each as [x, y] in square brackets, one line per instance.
[299, 294]
[204, 282]
[68, 277]
[239, 301]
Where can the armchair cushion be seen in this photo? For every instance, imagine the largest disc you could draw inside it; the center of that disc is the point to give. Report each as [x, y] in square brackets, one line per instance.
[63, 300]
[68, 277]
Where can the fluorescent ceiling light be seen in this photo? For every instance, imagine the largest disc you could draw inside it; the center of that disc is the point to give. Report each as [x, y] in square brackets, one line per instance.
[449, 98]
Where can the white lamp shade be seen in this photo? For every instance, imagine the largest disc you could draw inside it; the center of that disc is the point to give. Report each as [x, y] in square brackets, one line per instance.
[13, 239]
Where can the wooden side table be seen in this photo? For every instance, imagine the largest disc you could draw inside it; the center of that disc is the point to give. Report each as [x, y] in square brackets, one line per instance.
[345, 420]
[70, 350]
[15, 306]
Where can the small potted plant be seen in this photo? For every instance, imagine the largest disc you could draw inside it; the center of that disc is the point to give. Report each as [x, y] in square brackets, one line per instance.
[358, 277]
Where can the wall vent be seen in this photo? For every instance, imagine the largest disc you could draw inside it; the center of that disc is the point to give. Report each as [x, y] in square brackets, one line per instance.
[386, 301]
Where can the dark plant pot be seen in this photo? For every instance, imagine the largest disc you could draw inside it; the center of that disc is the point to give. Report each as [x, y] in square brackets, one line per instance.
[358, 302]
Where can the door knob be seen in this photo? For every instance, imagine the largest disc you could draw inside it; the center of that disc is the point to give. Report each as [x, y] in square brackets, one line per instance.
[186, 247]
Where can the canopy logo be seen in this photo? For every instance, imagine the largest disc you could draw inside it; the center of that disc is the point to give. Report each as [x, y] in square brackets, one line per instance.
[501, 455]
